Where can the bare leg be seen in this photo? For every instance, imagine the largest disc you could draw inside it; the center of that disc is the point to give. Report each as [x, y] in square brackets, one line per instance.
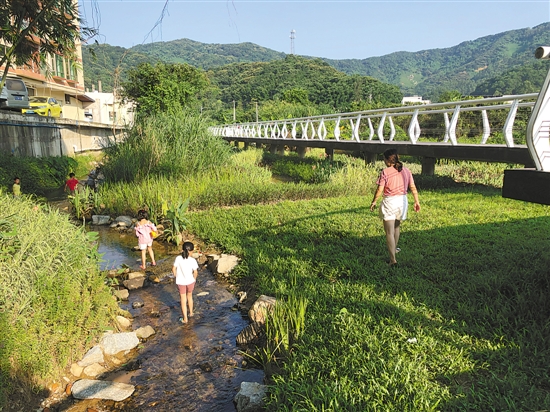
[190, 300]
[389, 228]
[183, 299]
[152, 254]
[143, 258]
[397, 231]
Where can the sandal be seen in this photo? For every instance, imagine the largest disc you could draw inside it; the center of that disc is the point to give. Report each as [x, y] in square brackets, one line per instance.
[154, 264]
[180, 320]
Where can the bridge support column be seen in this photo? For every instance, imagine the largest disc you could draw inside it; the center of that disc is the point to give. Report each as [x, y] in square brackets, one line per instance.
[280, 149]
[370, 158]
[301, 151]
[273, 148]
[246, 145]
[428, 166]
[329, 153]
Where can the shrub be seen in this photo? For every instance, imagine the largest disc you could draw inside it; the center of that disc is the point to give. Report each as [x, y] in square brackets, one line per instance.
[52, 296]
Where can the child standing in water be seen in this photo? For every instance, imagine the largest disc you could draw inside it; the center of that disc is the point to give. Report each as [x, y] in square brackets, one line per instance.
[186, 270]
[145, 240]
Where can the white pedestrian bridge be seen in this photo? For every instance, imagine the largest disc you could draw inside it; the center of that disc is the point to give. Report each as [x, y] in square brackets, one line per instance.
[410, 129]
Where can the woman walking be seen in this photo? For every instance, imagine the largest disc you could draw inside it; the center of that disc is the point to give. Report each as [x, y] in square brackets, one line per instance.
[393, 183]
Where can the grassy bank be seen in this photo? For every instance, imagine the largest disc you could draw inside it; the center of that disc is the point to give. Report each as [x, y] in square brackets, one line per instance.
[462, 324]
[53, 300]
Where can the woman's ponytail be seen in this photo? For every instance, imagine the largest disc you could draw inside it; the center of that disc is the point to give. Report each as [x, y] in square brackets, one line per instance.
[393, 158]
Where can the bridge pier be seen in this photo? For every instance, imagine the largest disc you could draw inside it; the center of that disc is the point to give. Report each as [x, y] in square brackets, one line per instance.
[329, 153]
[246, 145]
[370, 157]
[302, 150]
[428, 166]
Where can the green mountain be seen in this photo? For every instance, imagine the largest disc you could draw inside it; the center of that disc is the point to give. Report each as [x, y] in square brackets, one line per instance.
[461, 67]
[427, 73]
[311, 80]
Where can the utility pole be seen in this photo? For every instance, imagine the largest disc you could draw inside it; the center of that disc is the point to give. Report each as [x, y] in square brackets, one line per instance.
[256, 112]
[234, 117]
[292, 37]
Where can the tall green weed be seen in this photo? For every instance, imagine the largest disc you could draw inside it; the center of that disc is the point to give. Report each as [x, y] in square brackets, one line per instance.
[52, 297]
[175, 144]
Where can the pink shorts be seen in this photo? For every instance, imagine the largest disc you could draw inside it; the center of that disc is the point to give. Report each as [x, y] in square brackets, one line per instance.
[184, 289]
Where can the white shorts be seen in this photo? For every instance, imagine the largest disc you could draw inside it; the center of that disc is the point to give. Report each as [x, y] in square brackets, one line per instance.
[394, 208]
[145, 245]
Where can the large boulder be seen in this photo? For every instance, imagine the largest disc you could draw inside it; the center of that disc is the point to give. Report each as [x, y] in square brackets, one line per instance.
[100, 219]
[251, 397]
[94, 355]
[259, 310]
[119, 342]
[126, 220]
[222, 264]
[249, 333]
[92, 389]
[134, 283]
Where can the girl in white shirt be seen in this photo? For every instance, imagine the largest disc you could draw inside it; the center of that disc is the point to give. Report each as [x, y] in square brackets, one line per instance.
[185, 270]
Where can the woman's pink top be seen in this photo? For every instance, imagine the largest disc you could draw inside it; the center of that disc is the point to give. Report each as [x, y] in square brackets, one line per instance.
[394, 182]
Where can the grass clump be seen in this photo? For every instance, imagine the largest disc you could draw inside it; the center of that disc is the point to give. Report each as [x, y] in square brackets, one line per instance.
[174, 144]
[53, 299]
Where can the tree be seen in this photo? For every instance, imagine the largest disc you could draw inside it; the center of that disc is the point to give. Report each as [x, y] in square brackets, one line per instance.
[32, 29]
[164, 87]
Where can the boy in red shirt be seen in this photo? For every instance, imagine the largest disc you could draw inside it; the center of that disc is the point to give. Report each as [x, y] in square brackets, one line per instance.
[71, 184]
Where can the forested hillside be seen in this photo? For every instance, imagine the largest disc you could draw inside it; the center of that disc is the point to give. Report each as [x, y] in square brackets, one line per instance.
[462, 67]
[522, 79]
[427, 73]
[300, 80]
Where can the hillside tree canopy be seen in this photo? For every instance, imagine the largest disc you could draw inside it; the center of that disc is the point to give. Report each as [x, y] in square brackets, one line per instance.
[164, 87]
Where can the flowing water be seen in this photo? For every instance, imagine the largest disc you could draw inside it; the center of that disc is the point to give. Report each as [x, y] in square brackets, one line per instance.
[192, 367]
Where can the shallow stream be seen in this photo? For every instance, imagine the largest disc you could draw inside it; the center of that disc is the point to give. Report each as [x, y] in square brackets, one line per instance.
[193, 367]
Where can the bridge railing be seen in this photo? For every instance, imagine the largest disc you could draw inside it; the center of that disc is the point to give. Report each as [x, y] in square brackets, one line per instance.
[350, 126]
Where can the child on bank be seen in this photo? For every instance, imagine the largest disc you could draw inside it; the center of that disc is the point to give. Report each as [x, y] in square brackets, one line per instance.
[145, 239]
[185, 270]
[71, 184]
[16, 187]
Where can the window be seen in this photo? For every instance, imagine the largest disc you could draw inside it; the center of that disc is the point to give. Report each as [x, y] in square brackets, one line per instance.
[67, 99]
[112, 116]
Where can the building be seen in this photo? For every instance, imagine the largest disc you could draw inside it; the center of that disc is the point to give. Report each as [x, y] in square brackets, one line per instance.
[107, 109]
[60, 78]
[414, 100]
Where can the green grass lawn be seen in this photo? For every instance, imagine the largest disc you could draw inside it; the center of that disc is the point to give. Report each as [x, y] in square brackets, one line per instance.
[461, 324]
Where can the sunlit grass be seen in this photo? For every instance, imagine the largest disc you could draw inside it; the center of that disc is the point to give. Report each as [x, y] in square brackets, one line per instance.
[462, 324]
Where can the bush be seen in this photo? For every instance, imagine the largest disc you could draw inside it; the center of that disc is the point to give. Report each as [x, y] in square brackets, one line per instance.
[175, 144]
[37, 174]
[52, 296]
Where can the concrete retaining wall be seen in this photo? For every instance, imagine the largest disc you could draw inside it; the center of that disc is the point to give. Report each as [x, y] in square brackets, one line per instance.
[37, 136]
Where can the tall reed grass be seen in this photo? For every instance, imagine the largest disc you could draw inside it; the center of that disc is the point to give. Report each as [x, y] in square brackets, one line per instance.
[53, 299]
[175, 144]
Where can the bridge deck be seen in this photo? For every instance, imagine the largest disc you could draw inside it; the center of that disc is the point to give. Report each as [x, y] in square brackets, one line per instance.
[439, 150]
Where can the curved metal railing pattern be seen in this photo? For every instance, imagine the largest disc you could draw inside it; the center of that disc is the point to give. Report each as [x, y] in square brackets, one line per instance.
[317, 127]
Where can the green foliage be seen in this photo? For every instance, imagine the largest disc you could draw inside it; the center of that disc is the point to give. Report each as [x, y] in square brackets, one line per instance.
[163, 87]
[177, 221]
[449, 329]
[295, 78]
[527, 78]
[86, 202]
[175, 144]
[37, 174]
[52, 296]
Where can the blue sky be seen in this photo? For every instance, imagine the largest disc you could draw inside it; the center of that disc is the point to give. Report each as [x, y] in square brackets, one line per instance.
[332, 29]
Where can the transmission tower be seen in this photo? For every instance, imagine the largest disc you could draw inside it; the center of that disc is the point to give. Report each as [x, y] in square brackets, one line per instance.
[292, 37]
